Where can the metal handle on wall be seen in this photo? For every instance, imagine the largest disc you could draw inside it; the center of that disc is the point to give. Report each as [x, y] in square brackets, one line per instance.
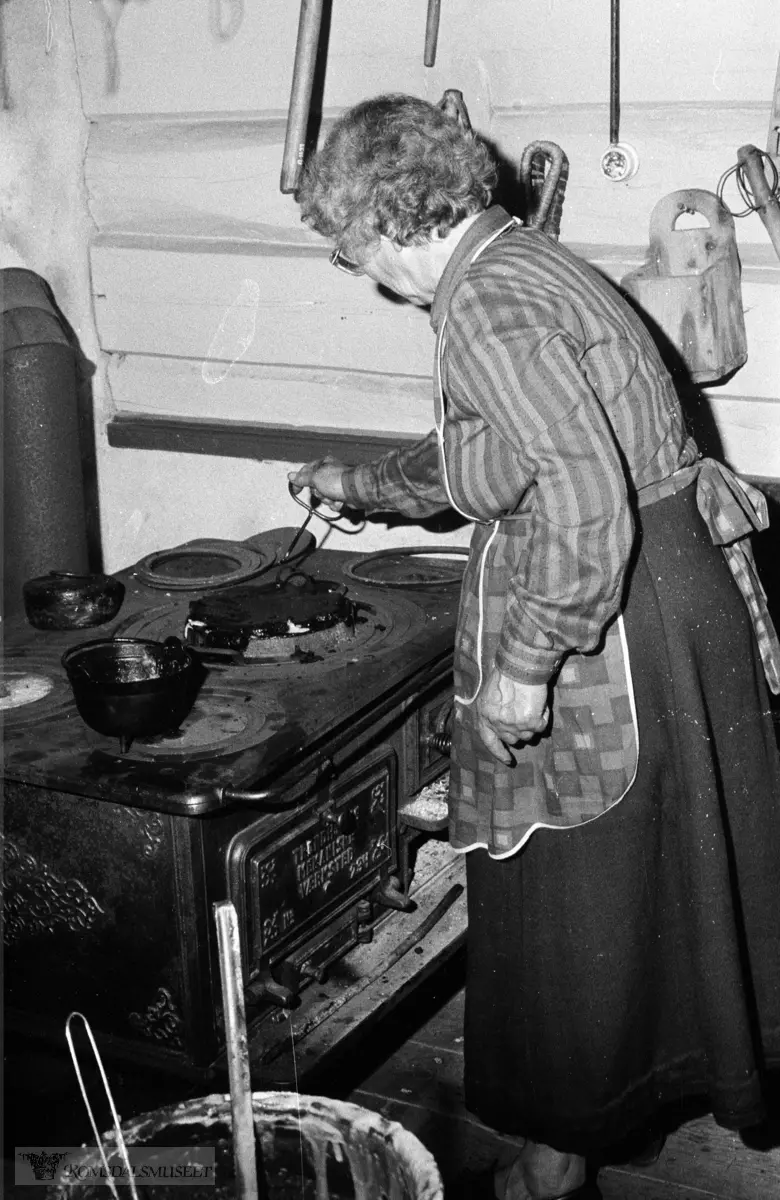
[544, 172]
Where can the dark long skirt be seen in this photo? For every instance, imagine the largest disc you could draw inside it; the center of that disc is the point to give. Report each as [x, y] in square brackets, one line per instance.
[632, 962]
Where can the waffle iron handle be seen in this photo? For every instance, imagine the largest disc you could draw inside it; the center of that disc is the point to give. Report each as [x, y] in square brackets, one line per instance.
[276, 798]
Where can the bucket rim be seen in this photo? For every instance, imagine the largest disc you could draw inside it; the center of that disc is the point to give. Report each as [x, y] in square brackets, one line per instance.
[288, 1108]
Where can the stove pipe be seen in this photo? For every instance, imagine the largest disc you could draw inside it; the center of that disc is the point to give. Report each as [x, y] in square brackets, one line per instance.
[44, 510]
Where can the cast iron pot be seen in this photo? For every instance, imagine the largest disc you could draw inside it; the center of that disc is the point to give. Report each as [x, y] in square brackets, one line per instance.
[62, 600]
[131, 687]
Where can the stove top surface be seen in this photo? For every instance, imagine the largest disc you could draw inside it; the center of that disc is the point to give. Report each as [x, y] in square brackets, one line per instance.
[259, 711]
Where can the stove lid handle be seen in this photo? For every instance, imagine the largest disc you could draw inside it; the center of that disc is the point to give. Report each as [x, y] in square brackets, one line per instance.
[279, 797]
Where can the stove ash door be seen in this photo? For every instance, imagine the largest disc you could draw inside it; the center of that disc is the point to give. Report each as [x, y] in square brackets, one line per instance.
[313, 890]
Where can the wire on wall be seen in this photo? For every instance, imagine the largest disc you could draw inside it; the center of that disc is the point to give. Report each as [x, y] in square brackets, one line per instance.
[619, 162]
[744, 188]
[760, 195]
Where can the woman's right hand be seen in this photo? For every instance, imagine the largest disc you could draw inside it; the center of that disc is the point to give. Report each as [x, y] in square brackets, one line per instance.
[510, 712]
[323, 477]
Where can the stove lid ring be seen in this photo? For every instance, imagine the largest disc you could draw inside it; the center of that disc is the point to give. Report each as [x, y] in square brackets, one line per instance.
[203, 563]
[410, 567]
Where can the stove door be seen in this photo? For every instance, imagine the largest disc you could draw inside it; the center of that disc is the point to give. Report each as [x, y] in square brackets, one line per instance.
[302, 881]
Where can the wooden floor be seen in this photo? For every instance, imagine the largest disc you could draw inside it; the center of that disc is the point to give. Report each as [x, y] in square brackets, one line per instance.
[411, 1071]
[419, 1084]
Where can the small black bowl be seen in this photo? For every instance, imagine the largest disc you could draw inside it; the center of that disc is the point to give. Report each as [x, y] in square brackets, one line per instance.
[131, 687]
[63, 600]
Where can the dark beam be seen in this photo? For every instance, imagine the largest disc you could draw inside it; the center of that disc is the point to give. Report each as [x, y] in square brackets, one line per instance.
[275, 443]
[242, 439]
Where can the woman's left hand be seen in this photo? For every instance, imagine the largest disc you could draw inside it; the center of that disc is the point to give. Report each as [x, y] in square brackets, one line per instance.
[509, 712]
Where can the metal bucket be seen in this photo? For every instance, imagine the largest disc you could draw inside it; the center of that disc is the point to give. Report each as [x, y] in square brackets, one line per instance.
[308, 1148]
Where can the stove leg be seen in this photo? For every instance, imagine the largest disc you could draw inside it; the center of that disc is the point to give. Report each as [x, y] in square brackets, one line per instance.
[391, 894]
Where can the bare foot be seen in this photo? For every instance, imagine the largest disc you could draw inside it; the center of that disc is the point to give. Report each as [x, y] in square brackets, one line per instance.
[540, 1173]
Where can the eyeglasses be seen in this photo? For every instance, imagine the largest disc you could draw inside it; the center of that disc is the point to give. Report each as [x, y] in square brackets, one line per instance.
[338, 260]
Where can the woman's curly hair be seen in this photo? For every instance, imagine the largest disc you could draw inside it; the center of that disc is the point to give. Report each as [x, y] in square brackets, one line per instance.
[396, 166]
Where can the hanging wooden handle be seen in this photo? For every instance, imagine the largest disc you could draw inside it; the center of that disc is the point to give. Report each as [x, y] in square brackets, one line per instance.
[454, 105]
[752, 163]
[300, 93]
[431, 31]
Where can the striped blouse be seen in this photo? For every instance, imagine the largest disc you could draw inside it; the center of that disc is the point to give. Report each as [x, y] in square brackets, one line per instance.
[557, 411]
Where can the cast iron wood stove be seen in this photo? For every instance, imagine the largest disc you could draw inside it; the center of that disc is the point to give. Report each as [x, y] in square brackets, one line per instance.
[288, 789]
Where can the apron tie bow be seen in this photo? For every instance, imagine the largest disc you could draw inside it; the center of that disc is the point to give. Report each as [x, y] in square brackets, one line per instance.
[732, 510]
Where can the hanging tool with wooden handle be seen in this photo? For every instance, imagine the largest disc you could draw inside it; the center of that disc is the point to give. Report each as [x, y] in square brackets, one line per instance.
[431, 31]
[763, 198]
[300, 94]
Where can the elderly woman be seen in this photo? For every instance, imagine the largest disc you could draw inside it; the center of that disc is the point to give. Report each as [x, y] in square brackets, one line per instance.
[615, 776]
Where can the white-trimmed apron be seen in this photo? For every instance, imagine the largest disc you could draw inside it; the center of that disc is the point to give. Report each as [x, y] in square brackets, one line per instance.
[587, 760]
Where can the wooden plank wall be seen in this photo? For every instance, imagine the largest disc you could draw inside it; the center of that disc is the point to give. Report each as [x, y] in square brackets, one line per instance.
[216, 308]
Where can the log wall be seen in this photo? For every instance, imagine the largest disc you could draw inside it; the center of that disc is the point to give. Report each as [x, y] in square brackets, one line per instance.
[233, 350]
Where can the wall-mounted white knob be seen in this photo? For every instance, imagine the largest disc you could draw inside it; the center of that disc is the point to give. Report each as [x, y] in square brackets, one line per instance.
[619, 162]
